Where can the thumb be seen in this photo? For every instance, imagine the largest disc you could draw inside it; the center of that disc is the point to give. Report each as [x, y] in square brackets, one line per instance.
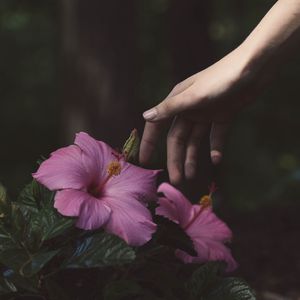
[168, 108]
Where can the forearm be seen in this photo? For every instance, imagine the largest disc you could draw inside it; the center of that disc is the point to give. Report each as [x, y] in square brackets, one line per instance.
[270, 42]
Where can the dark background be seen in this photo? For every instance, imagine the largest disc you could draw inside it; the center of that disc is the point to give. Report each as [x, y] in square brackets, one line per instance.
[95, 66]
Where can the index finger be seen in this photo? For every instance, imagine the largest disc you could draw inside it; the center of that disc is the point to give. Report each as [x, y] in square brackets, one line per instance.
[152, 132]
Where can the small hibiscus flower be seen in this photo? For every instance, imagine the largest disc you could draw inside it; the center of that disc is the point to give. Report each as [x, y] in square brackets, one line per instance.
[205, 229]
[95, 184]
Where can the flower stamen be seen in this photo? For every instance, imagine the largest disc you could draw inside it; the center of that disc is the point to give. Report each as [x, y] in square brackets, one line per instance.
[114, 168]
[205, 202]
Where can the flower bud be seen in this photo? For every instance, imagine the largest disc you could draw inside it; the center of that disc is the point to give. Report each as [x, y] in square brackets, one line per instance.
[131, 146]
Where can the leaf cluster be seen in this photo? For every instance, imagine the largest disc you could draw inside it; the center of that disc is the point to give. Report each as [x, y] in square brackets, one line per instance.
[43, 256]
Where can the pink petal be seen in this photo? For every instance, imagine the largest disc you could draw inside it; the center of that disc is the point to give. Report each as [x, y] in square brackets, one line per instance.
[167, 209]
[63, 170]
[178, 209]
[92, 213]
[130, 220]
[133, 182]
[96, 155]
[209, 251]
[208, 233]
[208, 225]
[68, 202]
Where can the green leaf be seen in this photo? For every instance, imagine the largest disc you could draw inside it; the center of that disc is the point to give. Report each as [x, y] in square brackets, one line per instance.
[118, 290]
[50, 224]
[171, 234]
[37, 262]
[14, 258]
[42, 220]
[24, 263]
[20, 282]
[231, 289]
[204, 277]
[6, 286]
[100, 250]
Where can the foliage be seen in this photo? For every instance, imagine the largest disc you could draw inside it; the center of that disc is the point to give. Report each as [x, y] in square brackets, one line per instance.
[40, 249]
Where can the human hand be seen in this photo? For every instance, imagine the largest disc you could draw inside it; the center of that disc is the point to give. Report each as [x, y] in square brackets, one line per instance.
[210, 98]
[205, 101]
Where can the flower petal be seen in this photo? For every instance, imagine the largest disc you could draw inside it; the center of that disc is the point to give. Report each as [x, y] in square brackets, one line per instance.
[208, 225]
[94, 213]
[130, 220]
[133, 182]
[68, 202]
[91, 212]
[208, 233]
[96, 155]
[167, 209]
[63, 170]
[179, 208]
[209, 251]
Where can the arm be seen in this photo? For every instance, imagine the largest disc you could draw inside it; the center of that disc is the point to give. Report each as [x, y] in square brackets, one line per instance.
[209, 99]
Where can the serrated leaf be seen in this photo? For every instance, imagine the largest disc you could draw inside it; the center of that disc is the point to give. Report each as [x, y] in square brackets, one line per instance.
[171, 234]
[42, 221]
[204, 277]
[49, 223]
[100, 250]
[231, 289]
[36, 196]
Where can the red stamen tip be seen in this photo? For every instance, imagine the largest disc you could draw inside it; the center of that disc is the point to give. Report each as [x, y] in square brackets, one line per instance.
[212, 188]
[117, 155]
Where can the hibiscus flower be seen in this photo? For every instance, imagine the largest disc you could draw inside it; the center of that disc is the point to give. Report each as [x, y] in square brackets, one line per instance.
[205, 229]
[96, 184]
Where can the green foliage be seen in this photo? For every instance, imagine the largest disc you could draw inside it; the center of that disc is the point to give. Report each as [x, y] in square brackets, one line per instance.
[202, 279]
[100, 250]
[36, 242]
[231, 289]
[207, 284]
[40, 250]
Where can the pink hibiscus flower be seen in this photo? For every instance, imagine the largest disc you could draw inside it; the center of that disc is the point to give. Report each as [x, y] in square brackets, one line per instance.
[96, 184]
[206, 230]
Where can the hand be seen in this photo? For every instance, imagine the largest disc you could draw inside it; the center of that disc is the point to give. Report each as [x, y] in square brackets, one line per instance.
[209, 100]
[205, 101]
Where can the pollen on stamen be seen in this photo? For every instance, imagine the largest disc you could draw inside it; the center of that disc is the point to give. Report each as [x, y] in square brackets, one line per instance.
[114, 168]
[206, 201]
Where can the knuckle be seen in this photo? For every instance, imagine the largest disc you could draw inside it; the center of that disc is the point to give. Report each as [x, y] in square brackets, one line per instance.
[176, 138]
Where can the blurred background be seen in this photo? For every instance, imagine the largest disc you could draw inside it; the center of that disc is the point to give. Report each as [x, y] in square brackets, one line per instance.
[95, 66]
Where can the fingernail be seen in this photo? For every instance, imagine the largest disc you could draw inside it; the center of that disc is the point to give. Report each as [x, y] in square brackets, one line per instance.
[150, 114]
[216, 157]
